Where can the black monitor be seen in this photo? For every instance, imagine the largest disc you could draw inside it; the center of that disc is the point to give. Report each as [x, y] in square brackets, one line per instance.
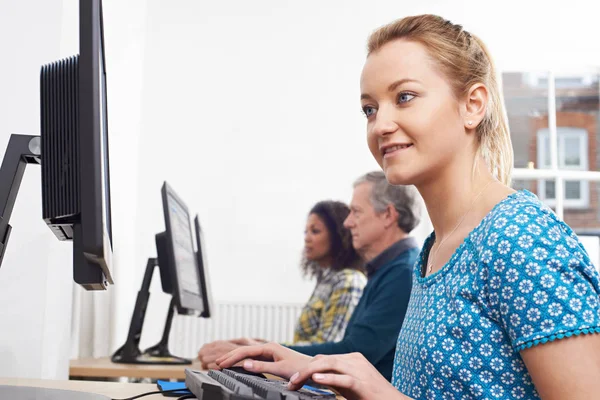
[75, 161]
[179, 255]
[73, 152]
[183, 274]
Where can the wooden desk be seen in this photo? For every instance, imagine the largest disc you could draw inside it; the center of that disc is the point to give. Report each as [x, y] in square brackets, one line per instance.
[110, 389]
[104, 368]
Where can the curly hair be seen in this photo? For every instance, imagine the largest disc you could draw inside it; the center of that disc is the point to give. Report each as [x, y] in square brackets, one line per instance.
[343, 255]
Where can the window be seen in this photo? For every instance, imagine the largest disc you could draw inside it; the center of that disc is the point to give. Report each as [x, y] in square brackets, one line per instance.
[572, 154]
[570, 81]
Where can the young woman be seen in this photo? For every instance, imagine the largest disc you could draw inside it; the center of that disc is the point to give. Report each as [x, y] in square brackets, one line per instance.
[505, 300]
[330, 258]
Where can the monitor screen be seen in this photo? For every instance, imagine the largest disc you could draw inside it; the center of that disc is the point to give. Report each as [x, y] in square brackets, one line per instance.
[183, 261]
[209, 310]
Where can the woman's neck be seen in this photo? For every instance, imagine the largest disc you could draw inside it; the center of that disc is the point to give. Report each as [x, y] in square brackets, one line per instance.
[325, 262]
[450, 195]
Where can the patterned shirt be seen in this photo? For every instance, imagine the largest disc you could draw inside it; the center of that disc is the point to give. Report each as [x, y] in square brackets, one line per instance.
[325, 317]
[520, 279]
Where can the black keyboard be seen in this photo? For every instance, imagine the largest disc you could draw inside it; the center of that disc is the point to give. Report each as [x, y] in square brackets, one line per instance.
[231, 385]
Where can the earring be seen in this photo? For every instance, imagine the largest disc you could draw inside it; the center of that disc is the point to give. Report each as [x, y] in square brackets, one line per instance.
[469, 123]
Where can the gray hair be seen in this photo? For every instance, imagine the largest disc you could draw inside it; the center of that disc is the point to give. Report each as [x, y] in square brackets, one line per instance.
[405, 199]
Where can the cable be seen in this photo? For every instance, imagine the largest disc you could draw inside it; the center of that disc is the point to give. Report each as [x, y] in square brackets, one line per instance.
[155, 392]
[187, 396]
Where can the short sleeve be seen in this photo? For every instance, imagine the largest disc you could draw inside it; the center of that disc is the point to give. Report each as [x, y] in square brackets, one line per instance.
[541, 283]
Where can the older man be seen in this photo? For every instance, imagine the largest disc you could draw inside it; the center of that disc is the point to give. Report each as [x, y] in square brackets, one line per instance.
[381, 219]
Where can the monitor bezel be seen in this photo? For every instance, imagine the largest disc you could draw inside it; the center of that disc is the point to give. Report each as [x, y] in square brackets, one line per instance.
[96, 228]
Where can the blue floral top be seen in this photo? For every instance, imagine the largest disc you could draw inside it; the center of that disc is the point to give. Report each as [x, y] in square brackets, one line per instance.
[521, 278]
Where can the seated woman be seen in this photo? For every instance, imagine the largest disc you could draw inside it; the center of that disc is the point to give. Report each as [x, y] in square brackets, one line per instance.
[330, 258]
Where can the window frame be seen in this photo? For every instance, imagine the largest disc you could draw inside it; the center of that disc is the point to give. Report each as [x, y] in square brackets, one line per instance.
[563, 133]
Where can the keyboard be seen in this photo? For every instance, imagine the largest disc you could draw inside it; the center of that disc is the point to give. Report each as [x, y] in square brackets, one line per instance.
[231, 385]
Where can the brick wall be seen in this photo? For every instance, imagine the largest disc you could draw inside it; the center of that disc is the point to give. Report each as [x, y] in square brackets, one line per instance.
[576, 218]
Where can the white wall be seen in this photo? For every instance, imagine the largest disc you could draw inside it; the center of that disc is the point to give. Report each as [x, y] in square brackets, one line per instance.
[35, 277]
[125, 39]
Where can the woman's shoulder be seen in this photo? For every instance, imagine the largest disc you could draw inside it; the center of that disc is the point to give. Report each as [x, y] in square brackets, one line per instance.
[520, 215]
[524, 232]
[348, 276]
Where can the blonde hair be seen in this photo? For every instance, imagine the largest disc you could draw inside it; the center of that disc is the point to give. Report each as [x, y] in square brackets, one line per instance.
[465, 61]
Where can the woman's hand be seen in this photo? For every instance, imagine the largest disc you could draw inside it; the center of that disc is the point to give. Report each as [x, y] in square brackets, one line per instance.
[248, 341]
[270, 358]
[350, 374]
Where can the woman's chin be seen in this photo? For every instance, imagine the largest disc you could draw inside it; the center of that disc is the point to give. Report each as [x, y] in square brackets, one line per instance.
[396, 175]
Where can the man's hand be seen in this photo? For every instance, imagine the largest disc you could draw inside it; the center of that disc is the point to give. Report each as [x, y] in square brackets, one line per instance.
[248, 341]
[211, 351]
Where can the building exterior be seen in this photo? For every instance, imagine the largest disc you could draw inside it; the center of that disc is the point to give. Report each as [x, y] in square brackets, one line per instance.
[577, 121]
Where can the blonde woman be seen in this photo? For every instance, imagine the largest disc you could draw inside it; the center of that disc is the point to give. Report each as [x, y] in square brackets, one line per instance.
[505, 300]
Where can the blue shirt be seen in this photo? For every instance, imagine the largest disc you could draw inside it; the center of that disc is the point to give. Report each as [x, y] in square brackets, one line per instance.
[520, 279]
[376, 321]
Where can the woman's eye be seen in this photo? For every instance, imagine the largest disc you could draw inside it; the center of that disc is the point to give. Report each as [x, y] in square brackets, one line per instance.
[368, 111]
[405, 97]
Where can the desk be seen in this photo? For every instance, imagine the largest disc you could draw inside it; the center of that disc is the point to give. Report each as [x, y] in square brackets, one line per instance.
[110, 389]
[104, 368]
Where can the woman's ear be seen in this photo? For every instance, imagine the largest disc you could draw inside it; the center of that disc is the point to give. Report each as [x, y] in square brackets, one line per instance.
[475, 106]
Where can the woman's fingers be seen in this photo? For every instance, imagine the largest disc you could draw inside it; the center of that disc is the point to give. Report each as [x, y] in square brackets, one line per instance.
[279, 368]
[326, 364]
[211, 365]
[237, 355]
[335, 380]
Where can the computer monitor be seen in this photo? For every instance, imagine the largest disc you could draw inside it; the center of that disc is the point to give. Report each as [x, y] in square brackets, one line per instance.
[183, 274]
[180, 256]
[73, 153]
[75, 160]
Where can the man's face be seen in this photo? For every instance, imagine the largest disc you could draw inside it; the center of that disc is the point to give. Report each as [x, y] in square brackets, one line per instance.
[366, 225]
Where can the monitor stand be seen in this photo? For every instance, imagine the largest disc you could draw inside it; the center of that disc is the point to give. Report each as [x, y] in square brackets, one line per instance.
[25, 392]
[21, 150]
[161, 349]
[130, 352]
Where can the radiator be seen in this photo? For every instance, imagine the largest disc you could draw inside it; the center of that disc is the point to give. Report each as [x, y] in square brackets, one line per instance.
[272, 322]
